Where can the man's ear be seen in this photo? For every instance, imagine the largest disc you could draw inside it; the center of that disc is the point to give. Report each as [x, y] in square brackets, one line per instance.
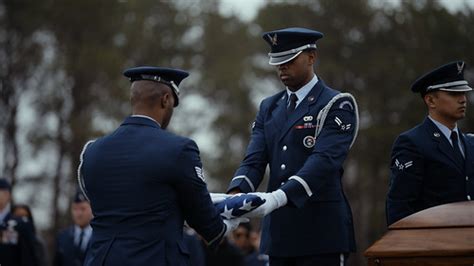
[429, 99]
[165, 100]
[312, 56]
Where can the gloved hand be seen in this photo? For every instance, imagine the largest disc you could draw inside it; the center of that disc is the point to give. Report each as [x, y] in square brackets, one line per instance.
[219, 197]
[233, 223]
[273, 201]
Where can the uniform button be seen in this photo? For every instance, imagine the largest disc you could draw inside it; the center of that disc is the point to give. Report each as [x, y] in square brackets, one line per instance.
[284, 148]
[282, 183]
[283, 167]
[468, 197]
[467, 178]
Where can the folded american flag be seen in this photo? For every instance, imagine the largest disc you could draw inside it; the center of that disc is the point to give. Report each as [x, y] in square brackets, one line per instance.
[238, 205]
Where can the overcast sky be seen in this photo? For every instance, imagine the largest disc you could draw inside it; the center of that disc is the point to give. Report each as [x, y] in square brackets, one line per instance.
[247, 9]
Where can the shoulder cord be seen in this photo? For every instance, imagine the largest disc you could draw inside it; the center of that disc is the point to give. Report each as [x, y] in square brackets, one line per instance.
[324, 112]
[80, 180]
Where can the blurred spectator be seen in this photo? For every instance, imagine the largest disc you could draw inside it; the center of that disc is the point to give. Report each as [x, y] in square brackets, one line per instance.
[226, 254]
[23, 211]
[73, 242]
[16, 236]
[197, 257]
[255, 239]
[242, 237]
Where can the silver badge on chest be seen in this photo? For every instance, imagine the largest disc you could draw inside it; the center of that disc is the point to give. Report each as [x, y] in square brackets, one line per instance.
[309, 141]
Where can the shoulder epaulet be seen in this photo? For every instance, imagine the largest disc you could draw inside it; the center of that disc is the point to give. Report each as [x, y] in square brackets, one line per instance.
[471, 135]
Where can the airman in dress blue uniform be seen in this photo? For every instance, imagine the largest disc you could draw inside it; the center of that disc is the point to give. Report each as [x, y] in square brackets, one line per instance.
[304, 134]
[17, 239]
[433, 163]
[143, 182]
[73, 242]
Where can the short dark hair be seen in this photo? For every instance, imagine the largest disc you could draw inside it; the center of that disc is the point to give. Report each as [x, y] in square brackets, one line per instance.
[5, 184]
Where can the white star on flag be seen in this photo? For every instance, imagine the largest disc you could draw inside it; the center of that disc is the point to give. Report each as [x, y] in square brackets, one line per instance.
[227, 213]
[247, 206]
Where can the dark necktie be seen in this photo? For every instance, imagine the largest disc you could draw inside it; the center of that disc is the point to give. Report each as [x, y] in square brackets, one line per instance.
[457, 151]
[292, 103]
[81, 239]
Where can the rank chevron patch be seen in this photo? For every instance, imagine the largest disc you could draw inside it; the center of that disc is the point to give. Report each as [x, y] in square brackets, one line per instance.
[402, 166]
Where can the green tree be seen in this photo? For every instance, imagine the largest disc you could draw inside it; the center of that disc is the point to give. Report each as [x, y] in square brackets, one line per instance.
[19, 53]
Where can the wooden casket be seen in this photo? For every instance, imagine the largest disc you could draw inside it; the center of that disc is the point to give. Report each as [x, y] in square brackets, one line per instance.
[442, 235]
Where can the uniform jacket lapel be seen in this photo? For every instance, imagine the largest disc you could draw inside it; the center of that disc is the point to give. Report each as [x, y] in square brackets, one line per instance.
[467, 153]
[443, 144]
[280, 111]
[302, 109]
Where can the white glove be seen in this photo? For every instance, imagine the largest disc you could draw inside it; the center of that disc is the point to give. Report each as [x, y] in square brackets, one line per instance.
[273, 201]
[233, 223]
[219, 197]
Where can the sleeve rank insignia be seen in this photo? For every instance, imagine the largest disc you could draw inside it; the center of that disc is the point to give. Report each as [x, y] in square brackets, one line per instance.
[199, 172]
[344, 127]
[402, 166]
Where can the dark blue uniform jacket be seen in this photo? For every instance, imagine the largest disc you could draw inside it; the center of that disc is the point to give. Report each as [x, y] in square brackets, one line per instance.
[425, 173]
[67, 254]
[143, 182]
[17, 246]
[318, 218]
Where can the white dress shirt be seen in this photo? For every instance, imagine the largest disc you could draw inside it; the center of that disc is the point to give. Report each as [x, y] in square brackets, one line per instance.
[447, 133]
[303, 91]
[86, 237]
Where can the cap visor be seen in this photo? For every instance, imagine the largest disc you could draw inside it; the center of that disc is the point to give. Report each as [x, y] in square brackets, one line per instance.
[457, 88]
[275, 61]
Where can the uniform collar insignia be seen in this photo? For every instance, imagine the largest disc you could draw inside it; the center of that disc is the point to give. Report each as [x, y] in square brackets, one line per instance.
[311, 98]
[436, 134]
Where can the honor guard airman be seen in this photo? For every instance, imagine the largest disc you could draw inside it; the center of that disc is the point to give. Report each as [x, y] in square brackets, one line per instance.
[433, 163]
[304, 134]
[17, 240]
[144, 181]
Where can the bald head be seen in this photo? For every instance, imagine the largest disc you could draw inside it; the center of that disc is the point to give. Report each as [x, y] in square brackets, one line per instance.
[146, 94]
[152, 99]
